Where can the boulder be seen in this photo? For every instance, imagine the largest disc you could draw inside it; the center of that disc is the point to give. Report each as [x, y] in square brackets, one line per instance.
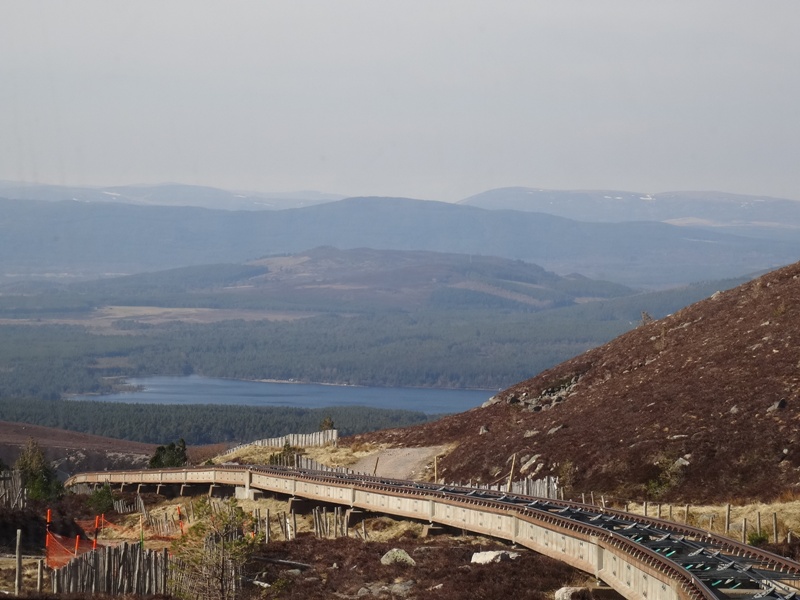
[401, 589]
[397, 556]
[493, 556]
[491, 401]
[779, 405]
[574, 593]
[527, 464]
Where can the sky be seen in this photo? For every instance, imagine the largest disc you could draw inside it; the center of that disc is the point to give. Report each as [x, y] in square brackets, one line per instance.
[433, 99]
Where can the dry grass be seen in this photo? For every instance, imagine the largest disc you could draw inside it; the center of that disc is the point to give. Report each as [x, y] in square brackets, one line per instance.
[712, 517]
[104, 319]
[331, 456]
[342, 456]
[8, 572]
[395, 462]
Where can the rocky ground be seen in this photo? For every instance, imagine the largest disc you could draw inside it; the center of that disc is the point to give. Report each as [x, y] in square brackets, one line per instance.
[435, 568]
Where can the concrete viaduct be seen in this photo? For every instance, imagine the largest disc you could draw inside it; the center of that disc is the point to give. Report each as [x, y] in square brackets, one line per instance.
[577, 534]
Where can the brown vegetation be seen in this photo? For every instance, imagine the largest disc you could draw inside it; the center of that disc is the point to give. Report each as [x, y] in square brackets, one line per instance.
[701, 406]
[71, 451]
[343, 567]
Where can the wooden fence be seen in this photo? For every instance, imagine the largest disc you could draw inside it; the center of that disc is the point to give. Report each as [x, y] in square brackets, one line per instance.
[546, 487]
[124, 507]
[185, 582]
[131, 569]
[123, 569]
[12, 494]
[300, 461]
[297, 440]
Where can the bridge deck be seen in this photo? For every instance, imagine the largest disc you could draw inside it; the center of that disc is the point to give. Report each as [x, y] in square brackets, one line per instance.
[640, 557]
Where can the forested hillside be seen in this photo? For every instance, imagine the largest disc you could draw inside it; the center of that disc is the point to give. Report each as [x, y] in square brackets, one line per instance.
[199, 423]
[366, 317]
[47, 358]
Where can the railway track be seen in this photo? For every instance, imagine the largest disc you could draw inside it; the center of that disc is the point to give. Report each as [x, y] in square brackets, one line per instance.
[722, 565]
[703, 565]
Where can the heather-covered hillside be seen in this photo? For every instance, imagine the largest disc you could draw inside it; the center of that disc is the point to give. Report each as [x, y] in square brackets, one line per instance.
[702, 405]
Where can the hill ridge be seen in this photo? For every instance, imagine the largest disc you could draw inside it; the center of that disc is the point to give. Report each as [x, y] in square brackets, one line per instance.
[702, 405]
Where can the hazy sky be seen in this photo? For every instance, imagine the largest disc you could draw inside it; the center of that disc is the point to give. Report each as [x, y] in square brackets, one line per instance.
[435, 99]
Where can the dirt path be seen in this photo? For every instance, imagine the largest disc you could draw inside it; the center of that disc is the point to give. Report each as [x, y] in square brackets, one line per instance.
[400, 463]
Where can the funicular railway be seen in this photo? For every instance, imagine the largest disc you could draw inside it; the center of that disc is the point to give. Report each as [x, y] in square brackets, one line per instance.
[642, 558]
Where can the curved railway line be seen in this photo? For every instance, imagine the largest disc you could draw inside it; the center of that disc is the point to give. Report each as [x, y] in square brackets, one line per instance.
[642, 558]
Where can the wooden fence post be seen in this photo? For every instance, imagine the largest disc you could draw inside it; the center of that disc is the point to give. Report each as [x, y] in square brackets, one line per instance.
[18, 577]
[775, 528]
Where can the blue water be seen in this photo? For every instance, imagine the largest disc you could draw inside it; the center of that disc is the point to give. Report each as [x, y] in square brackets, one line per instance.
[203, 390]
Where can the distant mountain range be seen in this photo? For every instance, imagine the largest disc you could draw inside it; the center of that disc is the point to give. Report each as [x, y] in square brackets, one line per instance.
[89, 237]
[757, 216]
[167, 194]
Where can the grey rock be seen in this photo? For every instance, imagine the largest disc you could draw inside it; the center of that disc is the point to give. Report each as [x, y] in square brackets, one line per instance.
[574, 593]
[397, 556]
[293, 572]
[493, 556]
[779, 405]
[529, 463]
[402, 588]
[491, 401]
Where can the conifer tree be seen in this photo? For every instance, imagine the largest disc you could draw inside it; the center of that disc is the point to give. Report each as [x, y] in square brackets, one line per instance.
[38, 476]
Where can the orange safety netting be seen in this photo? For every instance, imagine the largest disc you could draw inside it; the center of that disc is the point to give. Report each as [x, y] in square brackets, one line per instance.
[98, 524]
[61, 549]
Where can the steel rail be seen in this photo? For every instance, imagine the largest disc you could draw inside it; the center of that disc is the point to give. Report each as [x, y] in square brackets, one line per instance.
[730, 545]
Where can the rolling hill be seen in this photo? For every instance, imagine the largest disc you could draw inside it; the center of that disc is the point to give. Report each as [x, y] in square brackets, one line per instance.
[327, 278]
[58, 240]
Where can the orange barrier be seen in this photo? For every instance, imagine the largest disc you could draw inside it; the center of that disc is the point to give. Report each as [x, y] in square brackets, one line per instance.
[61, 549]
[97, 525]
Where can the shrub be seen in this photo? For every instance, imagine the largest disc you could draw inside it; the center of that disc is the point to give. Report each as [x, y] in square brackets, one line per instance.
[101, 500]
[756, 538]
